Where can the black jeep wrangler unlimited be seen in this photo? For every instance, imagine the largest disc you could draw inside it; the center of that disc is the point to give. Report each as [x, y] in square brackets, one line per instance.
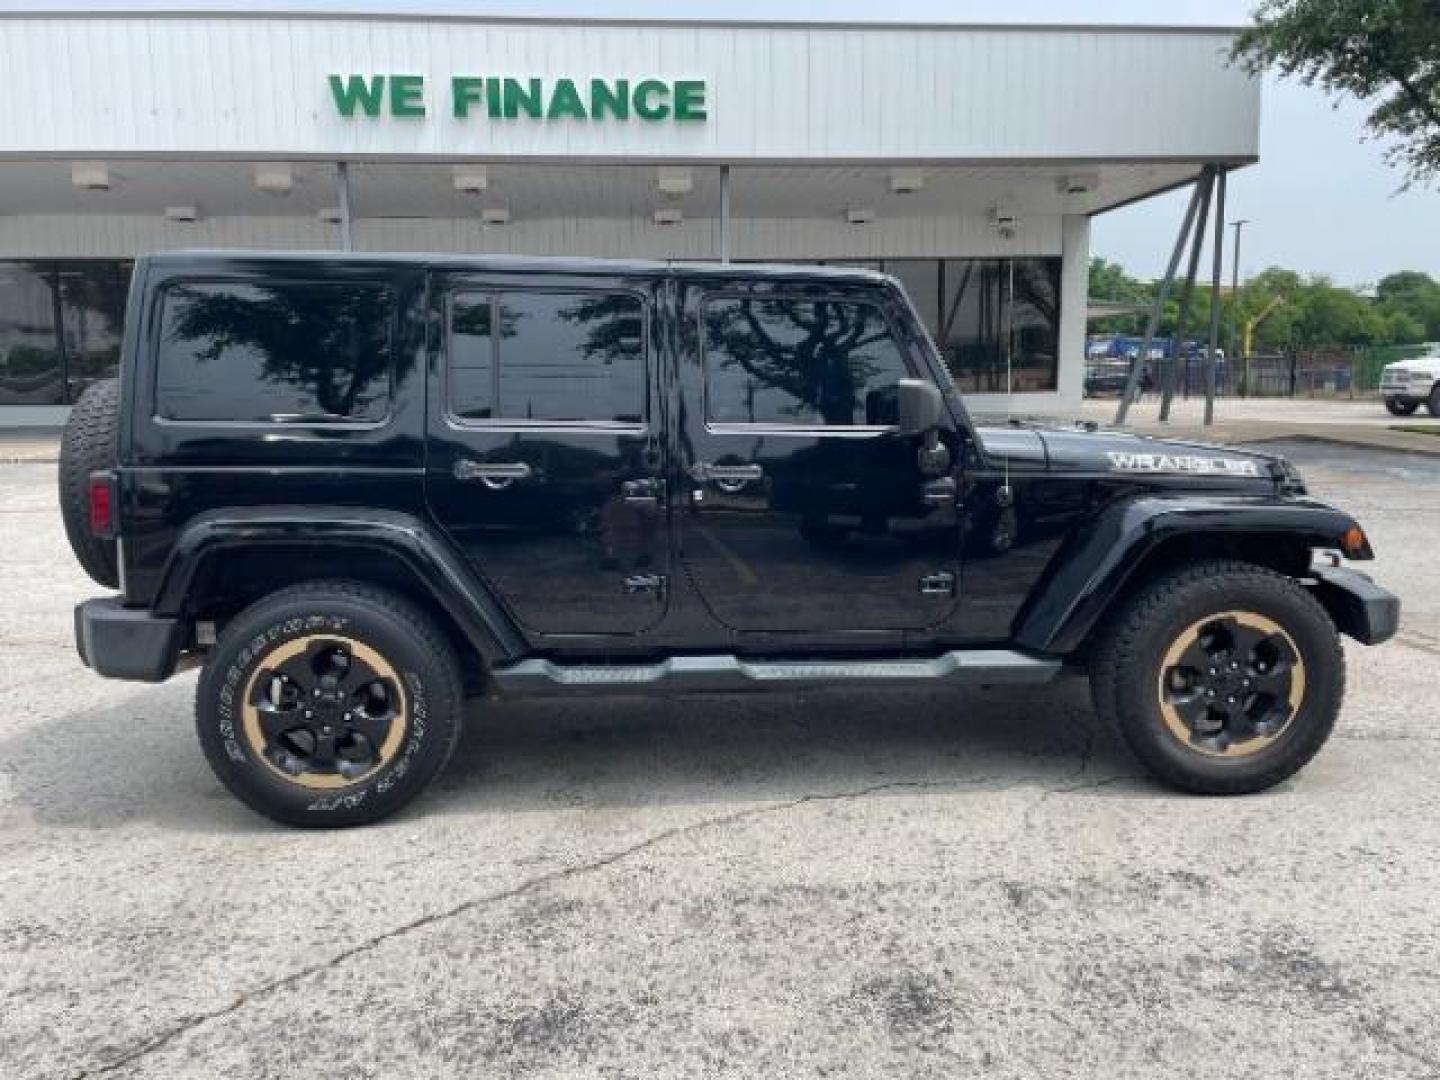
[357, 489]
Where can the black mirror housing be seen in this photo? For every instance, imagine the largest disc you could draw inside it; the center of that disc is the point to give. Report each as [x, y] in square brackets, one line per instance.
[918, 407]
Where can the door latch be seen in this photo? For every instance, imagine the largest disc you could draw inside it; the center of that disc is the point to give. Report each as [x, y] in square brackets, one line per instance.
[941, 584]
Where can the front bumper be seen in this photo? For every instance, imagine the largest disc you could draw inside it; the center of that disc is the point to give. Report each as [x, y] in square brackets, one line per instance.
[1360, 608]
[127, 643]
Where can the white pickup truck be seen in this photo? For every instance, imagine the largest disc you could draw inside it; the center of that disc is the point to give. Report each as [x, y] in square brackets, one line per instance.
[1408, 384]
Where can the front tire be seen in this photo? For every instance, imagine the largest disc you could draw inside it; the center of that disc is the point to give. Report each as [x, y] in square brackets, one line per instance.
[1222, 677]
[1432, 403]
[1401, 407]
[329, 704]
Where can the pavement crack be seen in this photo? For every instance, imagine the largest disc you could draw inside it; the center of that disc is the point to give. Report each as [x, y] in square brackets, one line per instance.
[478, 903]
[1376, 1028]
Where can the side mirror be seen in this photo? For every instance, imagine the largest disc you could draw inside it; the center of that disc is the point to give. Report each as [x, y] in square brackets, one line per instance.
[918, 407]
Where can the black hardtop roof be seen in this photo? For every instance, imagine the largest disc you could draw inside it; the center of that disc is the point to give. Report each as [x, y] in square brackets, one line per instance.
[554, 264]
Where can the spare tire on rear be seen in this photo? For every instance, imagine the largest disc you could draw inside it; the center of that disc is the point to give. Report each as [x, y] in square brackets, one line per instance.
[90, 444]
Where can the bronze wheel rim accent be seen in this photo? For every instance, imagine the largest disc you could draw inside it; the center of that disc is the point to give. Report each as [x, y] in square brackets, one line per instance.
[324, 711]
[1230, 684]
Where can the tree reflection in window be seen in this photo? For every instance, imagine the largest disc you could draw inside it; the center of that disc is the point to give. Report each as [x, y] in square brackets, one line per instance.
[794, 361]
[305, 352]
[562, 356]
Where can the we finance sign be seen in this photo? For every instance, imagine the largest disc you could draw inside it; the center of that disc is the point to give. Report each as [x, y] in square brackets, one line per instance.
[493, 97]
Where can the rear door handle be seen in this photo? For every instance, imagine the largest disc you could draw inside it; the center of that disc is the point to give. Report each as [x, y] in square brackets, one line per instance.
[496, 475]
[703, 471]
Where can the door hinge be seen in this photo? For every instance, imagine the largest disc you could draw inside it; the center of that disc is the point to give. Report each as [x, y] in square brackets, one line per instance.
[941, 584]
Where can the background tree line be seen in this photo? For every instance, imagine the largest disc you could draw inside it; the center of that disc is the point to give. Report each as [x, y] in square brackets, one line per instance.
[1287, 311]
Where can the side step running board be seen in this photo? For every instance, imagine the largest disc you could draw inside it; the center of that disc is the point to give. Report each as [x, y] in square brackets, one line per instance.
[972, 667]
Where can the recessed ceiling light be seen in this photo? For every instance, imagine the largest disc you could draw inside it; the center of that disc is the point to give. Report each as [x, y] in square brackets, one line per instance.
[495, 215]
[1078, 184]
[276, 179]
[674, 180]
[330, 215]
[668, 215]
[860, 215]
[471, 179]
[90, 175]
[906, 181]
[182, 213]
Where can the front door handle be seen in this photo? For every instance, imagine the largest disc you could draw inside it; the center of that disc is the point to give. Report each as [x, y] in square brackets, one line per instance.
[645, 491]
[725, 475]
[496, 475]
[940, 492]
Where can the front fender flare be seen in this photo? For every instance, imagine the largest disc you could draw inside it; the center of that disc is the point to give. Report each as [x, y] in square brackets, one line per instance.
[1096, 563]
[436, 565]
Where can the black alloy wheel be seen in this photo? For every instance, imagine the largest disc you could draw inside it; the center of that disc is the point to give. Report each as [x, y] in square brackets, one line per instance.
[1230, 684]
[325, 711]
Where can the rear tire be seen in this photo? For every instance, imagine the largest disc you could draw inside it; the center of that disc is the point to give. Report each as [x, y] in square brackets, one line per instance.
[329, 704]
[90, 444]
[1432, 403]
[1400, 407]
[1162, 673]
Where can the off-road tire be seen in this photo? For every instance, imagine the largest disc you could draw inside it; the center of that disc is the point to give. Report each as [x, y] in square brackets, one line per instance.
[1127, 662]
[88, 445]
[1432, 403]
[407, 639]
[1400, 407]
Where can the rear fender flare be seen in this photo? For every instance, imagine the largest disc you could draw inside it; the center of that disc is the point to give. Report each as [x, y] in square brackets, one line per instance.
[1096, 564]
[435, 564]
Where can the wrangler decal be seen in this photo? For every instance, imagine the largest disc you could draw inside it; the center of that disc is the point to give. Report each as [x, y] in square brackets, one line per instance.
[1197, 464]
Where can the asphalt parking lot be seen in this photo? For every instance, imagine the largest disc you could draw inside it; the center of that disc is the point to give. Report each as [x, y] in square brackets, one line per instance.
[919, 884]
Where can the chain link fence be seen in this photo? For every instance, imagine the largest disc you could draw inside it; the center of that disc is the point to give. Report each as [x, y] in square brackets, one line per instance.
[1337, 373]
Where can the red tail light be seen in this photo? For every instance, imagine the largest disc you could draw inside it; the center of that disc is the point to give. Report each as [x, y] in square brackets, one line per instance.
[102, 504]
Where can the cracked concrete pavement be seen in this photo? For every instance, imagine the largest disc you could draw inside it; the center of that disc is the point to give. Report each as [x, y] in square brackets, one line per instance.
[926, 883]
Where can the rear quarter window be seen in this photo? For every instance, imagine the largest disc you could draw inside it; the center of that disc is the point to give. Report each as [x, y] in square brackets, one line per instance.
[274, 352]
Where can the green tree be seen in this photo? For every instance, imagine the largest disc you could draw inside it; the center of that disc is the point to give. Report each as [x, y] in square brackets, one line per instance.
[1384, 52]
[1415, 294]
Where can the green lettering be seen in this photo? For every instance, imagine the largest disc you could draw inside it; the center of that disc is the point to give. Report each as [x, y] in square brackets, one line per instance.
[464, 92]
[407, 95]
[356, 89]
[615, 99]
[650, 100]
[493, 106]
[690, 99]
[518, 99]
[565, 101]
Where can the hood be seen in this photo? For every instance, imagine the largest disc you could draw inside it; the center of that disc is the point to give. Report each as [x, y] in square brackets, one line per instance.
[1089, 450]
[1428, 364]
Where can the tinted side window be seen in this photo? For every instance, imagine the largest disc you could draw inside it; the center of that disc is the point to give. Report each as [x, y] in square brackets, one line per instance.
[794, 361]
[577, 356]
[291, 351]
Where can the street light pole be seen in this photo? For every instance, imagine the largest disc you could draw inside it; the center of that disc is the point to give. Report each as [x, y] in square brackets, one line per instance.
[1237, 225]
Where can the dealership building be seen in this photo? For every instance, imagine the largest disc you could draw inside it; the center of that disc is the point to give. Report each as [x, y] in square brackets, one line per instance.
[968, 161]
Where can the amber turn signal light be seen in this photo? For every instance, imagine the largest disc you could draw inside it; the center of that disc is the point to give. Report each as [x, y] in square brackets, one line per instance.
[1354, 544]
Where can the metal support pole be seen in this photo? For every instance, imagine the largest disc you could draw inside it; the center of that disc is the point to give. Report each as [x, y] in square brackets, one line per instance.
[1215, 280]
[1161, 295]
[1167, 395]
[1235, 311]
[342, 187]
[724, 213]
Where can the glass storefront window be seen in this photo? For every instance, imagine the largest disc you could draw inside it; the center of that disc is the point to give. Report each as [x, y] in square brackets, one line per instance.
[30, 369]
[60, 325]
[981, 312]
[92, 315]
